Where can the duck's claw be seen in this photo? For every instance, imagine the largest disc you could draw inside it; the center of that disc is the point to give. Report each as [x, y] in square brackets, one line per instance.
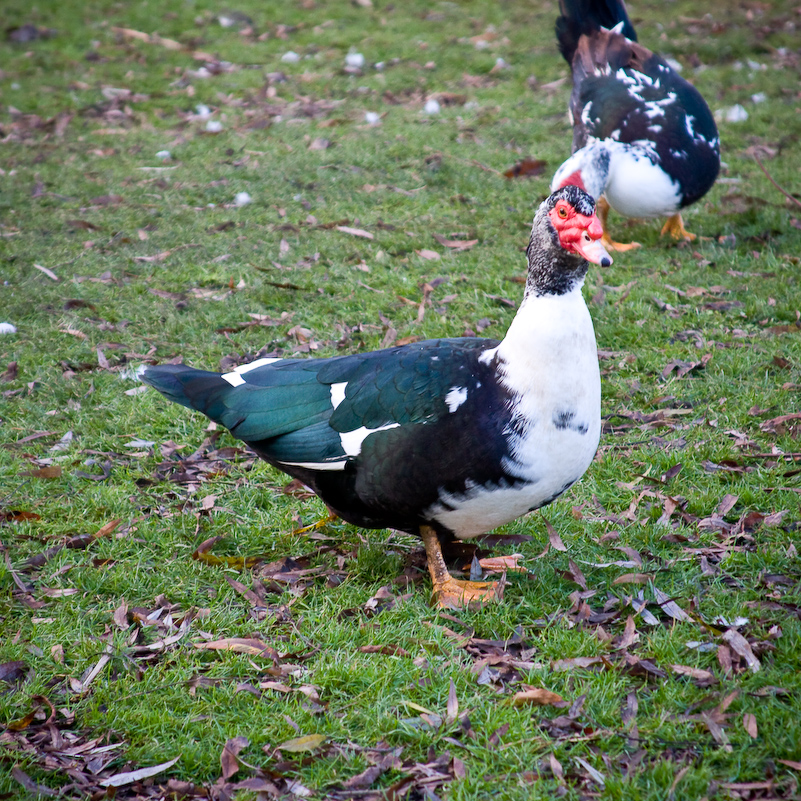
[675, 227]
[455, 594]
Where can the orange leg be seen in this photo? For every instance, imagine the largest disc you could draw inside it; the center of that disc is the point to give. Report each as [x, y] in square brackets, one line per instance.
[675, 227]
[451, 593]
[602, 210]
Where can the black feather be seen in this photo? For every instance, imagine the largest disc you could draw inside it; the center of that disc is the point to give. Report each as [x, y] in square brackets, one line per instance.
[582, 17]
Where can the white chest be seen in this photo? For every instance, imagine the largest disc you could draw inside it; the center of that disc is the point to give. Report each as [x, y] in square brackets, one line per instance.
[550, 367]
[637, 187]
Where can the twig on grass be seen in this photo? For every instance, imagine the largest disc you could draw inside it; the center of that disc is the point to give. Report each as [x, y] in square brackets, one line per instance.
[770, 178]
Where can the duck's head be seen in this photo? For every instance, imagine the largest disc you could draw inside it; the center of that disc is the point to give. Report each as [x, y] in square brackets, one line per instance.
[565, 235]
[571, 212]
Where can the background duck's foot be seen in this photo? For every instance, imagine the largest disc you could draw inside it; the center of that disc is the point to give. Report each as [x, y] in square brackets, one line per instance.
[456, 594]
[610, 244]
[675, 227]
[602, 211]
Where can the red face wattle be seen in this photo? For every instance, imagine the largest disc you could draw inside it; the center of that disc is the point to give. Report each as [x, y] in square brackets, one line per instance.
[579, 233]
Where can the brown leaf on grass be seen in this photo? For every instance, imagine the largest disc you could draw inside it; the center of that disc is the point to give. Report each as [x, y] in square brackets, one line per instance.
[725, 659]
[228, 757]
[526, 168]
[633, 578]
[387, 650]
[121, 779]
[750, 725]
[12, 672]
[50, 471]
[560, 665]
[785, 424]
[355, 231]
[553, 537]
[106, 200]
[298, 745]
[320, 143]
[790, 763]
[574, 574]
[11, 372]
[703, 677]
[537, 696]
[431, 255]
[628, 637]
[742, 648]
[241, 645]
[456, 244]
[29, 784]
[670, 607]
[452, 705]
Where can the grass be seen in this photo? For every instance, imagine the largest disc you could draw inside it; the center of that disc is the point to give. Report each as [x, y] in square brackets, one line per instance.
[732, 297]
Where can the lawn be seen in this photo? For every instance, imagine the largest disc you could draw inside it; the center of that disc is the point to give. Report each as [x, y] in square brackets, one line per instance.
[276, 179]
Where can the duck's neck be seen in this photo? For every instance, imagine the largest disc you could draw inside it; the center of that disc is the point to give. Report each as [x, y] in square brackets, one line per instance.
[551, 269]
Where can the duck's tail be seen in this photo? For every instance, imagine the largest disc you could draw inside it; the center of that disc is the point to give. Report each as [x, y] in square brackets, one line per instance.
[583, 17]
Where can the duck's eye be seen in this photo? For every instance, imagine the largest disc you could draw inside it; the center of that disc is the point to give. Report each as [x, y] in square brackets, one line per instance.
[562, 212]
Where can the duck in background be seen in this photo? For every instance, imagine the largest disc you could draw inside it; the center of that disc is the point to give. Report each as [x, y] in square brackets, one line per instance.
[447, 438]
[644, 140]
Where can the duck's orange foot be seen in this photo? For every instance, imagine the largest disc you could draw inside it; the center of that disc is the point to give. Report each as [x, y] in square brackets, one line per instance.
[610, 244]
[318, 525]
[602, 209]
[455, 594]
[675, 227]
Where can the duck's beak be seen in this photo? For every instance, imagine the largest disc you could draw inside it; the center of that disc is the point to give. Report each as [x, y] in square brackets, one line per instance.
[592, 250]
[589, 243]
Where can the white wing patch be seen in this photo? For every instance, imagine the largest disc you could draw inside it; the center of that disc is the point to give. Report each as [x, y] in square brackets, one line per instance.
[235, 379]
[338, 393]
[352, 440]
[455, 398]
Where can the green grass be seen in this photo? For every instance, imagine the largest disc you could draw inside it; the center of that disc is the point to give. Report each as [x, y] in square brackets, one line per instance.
[348, 292]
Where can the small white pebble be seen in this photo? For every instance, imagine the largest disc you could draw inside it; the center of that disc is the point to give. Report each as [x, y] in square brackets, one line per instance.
[759, 97]
[242, 199]
[471, 104]
[15, 85]
[202, 110]
[674, 65]
[226, 22]
[200, 73]
[290, 57]
[371, 118]
[431, 107]
[736, 114]
[355, 60]
[8, 328]
[755, 65]
[214, 126]
[379, 65]
[500, 64]
[211, 205]
[164, 155]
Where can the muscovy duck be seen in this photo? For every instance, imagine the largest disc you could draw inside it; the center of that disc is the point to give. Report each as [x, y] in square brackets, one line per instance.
[443, 438]
[644, 140]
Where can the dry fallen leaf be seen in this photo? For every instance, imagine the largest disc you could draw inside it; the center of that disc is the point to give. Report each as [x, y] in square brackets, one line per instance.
[121, 779]
[355, 231]
[431, 255]
[240, 645]
[537, 696]
[750, 725]
[297, 745]
[229, 763]
[526, 168]
[740, 646]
